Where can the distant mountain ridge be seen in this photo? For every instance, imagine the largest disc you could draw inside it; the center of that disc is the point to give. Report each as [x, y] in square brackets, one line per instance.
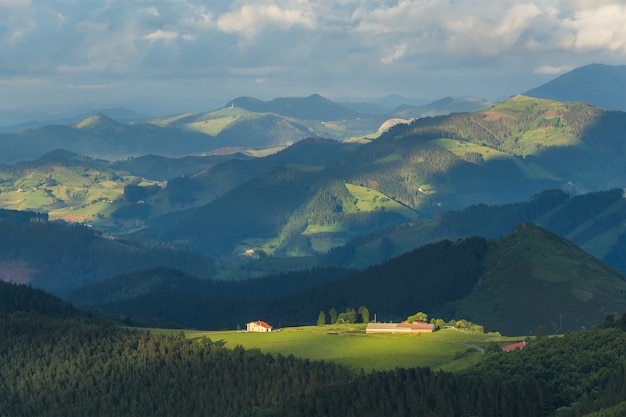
[596, 84]
[313, 107]
[442, 106]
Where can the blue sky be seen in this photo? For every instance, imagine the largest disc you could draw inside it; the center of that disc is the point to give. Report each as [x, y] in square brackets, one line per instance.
[56, 53]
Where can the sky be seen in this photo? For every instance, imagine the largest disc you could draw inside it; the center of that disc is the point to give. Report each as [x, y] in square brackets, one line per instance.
[177, 53]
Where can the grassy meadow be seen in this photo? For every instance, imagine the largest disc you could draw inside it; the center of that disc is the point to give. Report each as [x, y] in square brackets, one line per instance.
[348, 345]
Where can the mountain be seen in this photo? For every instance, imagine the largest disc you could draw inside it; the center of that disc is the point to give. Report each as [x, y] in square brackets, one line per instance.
[443, 106]
[394, 100]
[596, 84]
[533, 277]
[313, 107]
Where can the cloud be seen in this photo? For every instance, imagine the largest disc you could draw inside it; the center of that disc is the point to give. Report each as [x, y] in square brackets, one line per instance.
[159, 35]
[250, 19]
[599, 27]
[552, 70]
[396, 54]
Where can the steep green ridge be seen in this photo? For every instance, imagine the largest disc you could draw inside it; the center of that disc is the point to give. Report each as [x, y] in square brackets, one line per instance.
[443, 106]
[313, 107]
[534, 277]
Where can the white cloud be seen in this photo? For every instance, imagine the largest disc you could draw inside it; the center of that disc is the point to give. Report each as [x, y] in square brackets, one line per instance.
[397, 53]
[161, 35]
[553, 70]
[249, 20]
[597, 28]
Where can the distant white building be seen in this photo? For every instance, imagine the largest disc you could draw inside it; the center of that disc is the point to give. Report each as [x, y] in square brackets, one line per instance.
[258, 326]
[417, 327]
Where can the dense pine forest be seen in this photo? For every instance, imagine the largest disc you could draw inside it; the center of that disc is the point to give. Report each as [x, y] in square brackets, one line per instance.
[60, 364]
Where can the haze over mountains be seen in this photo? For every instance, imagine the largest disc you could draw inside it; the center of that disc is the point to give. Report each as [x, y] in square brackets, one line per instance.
[299, 183]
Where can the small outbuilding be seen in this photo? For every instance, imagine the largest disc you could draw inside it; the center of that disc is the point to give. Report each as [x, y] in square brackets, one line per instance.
[514, 346]
[258, 326]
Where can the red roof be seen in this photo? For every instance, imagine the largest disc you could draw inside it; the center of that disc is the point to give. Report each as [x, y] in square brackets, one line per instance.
[262, 324]
[513, 346]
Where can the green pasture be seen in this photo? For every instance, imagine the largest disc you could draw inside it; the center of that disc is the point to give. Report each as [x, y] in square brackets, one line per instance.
[461, 148]
[372, 200]
[74, 194]
[211, 127]
[166, 121]
[306, 168]
[348, 345]
[394, 157]
[534, 141]
[349, 128]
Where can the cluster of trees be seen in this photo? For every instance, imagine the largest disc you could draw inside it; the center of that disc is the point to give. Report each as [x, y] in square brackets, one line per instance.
[18, 216]
[361, 315]
[15, 297]
[439, 323]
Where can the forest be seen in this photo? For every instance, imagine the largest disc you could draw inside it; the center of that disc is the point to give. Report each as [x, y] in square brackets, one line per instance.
[66, 365]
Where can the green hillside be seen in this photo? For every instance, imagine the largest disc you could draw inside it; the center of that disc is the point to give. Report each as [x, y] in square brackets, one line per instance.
[348, 345]
[443, 106]
[506, 153]
[533, 277]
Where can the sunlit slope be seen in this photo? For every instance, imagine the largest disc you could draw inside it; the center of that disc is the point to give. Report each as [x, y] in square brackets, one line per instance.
[265, 126]
[292, 210]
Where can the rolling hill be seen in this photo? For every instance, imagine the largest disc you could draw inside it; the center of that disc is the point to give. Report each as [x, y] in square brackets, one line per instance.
[244, 123]
[331, 191]
[503, 154]
[440, 107]
[313, 107]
